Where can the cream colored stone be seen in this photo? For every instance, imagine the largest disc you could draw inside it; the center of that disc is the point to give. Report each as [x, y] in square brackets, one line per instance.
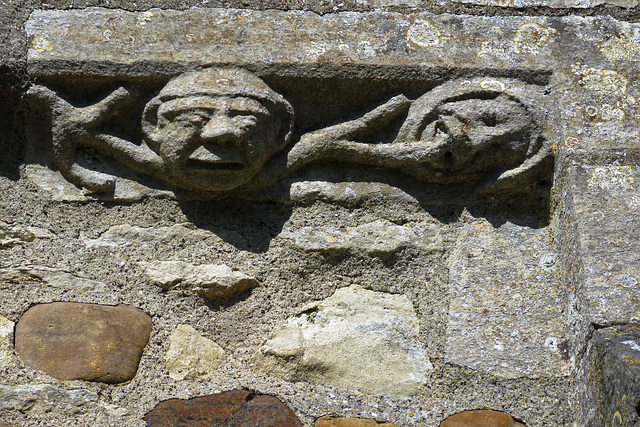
[378, 238]
[208, 280]
[6, 340]
[355, 339]
[191, 355]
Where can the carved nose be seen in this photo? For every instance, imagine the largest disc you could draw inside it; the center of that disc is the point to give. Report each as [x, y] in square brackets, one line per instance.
[221, 130]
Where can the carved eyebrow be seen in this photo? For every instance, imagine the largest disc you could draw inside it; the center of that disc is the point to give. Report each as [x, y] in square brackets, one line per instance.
[246, 106]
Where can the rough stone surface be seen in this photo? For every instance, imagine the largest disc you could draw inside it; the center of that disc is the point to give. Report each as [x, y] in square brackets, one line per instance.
[6, 341]
[83, 341]
[380, 238]
[335, 61]
[579, 4]
[191, 355]
[52, 277]
[230, 408]
[334, 421]
[127, 235]
[46, 398]
[13, 234]
[208, 281]
[481, 418]
[355, 339]
[606, 206]
[506, 314]
[609, 378]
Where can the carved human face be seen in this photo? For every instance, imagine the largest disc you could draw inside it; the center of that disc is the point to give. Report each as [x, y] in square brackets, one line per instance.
[480, 135]
[214, 143]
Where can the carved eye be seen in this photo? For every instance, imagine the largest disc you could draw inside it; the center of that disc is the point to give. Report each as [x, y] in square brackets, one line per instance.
[489, 119]
[191, 118]
[245, 120]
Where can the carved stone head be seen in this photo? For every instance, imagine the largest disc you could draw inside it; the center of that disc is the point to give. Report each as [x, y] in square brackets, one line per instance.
[216, 128]
[476, 129]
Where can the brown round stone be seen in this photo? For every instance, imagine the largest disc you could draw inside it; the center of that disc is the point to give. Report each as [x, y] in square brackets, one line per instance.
[83, 341]
[480, 418]
[228, 409]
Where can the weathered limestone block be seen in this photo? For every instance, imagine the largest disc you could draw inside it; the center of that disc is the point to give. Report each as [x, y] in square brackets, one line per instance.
[190, 355]
[83, 341]
[52, 277]
[13, 234]
[210, 281]
[481, 418]
[126, 235]
[605, 205]
[6, 341]
[379, 238]
[334, 421]
[47, 398]
[506, 314]
[608, 384]
[355, 339]
[227, 409]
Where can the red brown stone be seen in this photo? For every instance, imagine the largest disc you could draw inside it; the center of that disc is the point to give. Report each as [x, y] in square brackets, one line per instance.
[228, 409]
[333, 421]
[83, 341]
[481, 418]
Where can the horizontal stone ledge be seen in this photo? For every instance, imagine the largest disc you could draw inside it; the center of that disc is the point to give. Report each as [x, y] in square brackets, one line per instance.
[98, 41]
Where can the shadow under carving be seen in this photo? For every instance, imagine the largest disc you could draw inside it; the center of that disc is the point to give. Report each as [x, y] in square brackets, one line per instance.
[221, 133]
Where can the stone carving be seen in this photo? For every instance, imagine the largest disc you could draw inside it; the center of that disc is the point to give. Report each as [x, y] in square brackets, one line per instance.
[220, 131]
[210, 130]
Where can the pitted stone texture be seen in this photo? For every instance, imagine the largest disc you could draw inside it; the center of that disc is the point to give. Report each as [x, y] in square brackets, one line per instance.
[481, 418]
[228, 409]
[355, 339]
[83, 341]
[210, 281]
[379, 238]
[47, 398]
[6, 341]
[608, 384]
[191, 355]
[333, 421]
[506, 313]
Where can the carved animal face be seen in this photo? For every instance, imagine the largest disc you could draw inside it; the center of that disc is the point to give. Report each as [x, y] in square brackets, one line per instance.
[479, 129]
[475, 136]
[214, 143]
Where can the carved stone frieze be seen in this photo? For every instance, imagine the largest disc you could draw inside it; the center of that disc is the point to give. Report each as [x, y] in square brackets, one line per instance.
[221, 131]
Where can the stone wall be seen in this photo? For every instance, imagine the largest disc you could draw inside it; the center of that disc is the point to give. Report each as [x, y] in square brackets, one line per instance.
[319, 213]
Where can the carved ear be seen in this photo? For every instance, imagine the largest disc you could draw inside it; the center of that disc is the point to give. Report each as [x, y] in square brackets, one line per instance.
[283, 116]
[150, 121]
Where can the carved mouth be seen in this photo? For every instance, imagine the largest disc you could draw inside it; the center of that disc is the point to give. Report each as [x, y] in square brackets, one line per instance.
[216, 165]
[215, 159]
